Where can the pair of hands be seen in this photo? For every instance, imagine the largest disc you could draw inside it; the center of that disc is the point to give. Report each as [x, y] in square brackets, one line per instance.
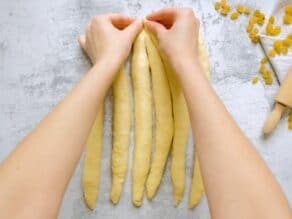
[111, 36]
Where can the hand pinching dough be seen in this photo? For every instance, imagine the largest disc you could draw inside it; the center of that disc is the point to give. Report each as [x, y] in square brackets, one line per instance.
[121, 133]
[164, 119]
[143, 118]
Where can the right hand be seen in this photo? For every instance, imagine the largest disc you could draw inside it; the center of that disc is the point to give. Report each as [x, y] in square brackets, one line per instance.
[177, 31]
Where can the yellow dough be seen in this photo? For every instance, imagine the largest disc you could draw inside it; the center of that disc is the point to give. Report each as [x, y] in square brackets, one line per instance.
[164, 119]
[197, 187]
[91, 171]
[143, 118]
[181, 129]
[121, 133]
[180, 138]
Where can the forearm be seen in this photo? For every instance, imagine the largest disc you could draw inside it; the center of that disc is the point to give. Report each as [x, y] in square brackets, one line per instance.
[237, 181]
[41, 166]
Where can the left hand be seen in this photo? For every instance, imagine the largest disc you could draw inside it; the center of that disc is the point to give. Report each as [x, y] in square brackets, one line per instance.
[109, 36]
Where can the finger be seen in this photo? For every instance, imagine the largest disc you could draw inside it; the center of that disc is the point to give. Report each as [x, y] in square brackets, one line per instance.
[154, 27]
[164, 16]
[82, 41]
[88, 31]
[133, 29]
[88, 38]
[165, 12]
[120, 21]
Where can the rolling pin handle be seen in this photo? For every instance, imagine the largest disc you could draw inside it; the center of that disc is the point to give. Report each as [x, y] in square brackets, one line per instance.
[273, 118]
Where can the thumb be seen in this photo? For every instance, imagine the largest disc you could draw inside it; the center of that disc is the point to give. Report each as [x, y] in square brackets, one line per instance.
[133, 29]
[82, 41]
[154, 27]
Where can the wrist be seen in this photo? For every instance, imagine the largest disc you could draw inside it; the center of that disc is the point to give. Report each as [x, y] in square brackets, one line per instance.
[185, 64]
[105, 69]
[109, 64]
[190, 74]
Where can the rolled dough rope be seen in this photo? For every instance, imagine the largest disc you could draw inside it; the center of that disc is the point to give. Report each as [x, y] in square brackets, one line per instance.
[197, 186]
[121, 133]
[164, 119]
[143, 118]
[91, 171]
[181, 129]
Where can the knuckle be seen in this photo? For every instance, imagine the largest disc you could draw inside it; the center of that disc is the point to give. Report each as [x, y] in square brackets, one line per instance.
[188, 11]
[108, 15]
[95, 20]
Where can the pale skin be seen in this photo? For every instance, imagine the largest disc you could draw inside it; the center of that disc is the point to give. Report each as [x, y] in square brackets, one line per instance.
[237, 181]
[34, 177]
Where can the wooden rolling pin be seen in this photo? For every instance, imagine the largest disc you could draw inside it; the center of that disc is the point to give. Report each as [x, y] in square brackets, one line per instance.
[283, 100]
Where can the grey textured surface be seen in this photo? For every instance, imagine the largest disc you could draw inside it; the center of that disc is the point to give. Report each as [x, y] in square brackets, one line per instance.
[40, 61]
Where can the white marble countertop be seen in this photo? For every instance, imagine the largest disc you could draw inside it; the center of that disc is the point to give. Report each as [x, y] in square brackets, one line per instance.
[40, 61]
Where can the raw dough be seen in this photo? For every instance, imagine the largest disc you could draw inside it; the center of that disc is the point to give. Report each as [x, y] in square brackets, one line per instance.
[197, 187]
[121, 133]
[180, 139]
[181, 129]
[143, 118]
[91, 171]
[163, 117]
